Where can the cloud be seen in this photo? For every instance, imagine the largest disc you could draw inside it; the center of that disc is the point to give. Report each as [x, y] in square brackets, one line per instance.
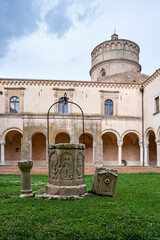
[17, 18]
[57, 18]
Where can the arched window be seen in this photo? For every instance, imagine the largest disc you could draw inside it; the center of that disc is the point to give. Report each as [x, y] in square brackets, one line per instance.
[14, 105]
[62, 106]
[108, 108]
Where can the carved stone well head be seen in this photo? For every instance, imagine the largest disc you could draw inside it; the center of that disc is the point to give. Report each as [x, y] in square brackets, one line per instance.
[66, 170]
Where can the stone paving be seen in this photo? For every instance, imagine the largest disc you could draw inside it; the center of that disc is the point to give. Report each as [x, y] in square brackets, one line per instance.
[88, 171]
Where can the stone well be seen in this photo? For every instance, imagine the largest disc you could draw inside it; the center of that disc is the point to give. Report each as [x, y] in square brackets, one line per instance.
[66, 171]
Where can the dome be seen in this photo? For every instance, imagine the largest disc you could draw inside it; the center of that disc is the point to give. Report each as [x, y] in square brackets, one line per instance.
[113, 57]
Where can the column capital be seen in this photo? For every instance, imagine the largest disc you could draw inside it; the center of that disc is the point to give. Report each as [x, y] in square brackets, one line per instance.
[146, 144]
[120, 143]
[2, 142]
[157, 141]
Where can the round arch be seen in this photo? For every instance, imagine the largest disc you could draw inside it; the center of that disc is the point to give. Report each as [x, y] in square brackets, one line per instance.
[110, 147]
[112, 131]
[62, 137]
[9, 130]
[132, 131]
[38, 140]
[158, 134]
[150, 138]
[131, 148]
[88, 147]
[147, 132]
[12, 138]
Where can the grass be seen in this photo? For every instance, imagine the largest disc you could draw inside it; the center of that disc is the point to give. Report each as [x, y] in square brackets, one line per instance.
[133, 214]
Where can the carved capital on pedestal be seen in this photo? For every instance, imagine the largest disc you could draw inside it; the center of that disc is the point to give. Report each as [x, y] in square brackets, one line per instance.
[25, 166]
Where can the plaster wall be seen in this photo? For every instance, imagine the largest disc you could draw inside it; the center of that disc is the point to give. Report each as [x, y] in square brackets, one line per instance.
[152, 118]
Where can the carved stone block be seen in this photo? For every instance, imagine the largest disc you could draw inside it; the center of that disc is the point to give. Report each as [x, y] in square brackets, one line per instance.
[25, 167]
[66, 170]
[104, 182]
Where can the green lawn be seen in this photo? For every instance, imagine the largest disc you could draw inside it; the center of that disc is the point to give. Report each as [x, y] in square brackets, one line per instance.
[133, 214]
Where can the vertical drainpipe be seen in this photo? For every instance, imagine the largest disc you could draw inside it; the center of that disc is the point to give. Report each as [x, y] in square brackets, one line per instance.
[142, 91]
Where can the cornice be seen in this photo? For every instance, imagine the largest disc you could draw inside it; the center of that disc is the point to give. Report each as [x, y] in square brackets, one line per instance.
[14, 83]
[116, 60]
[151, 78]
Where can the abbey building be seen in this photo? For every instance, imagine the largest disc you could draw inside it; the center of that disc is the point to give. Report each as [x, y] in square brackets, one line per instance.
[121, 110]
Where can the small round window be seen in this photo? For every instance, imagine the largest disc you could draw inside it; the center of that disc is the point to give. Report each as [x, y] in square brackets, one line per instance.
[103, 73]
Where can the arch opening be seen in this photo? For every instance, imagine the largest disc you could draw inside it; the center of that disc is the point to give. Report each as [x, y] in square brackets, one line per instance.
[110, 149]
[152, 149]
[62, 137]
[88, 148]
[39, 148]
[131, 150]
[13, 147]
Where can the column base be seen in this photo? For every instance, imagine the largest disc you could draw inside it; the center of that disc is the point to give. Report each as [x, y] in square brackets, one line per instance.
[26, 193]
[146, 165]
[2, 164]
[121, 165]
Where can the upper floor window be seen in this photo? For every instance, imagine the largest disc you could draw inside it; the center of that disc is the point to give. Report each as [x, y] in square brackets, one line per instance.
[62, 106]
[157, 104]
[108, 107]
[103, 72]
[14, 105]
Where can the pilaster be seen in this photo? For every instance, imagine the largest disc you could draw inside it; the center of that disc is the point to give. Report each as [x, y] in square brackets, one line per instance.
[2, 143]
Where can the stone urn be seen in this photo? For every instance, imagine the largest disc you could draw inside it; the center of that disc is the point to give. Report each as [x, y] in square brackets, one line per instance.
[25, 167]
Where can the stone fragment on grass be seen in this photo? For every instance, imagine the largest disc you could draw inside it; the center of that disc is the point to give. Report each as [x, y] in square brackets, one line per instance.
[104, 182]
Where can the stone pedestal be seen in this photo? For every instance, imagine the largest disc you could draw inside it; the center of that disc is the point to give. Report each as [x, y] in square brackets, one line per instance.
[25, 167]
[104, 182]
[66, 171]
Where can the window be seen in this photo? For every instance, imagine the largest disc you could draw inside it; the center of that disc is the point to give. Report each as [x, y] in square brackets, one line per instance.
[103, 73]
[62, 106]
[14, 105]
[157, 104]
[108, 108]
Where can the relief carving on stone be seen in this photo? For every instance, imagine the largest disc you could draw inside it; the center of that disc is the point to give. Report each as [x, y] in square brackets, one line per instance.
[54, 169]
[67, 168]
[79, 166]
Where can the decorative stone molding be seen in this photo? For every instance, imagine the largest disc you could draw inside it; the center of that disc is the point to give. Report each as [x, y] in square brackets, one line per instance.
[58, 83]
[59, 93]
[112, 95]
[152, 78]
[12, 92]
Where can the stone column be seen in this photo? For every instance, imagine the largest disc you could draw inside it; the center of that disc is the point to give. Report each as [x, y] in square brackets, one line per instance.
[146, 158]
[26, 142]
[2, 142]
[158, 153]
[141, 154]
[25, 167]
[120, 143]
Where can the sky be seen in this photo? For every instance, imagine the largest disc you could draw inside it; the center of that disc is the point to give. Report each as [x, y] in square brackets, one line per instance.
[53, 39]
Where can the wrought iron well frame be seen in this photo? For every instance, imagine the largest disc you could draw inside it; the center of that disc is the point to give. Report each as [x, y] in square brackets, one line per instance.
[65, 100]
